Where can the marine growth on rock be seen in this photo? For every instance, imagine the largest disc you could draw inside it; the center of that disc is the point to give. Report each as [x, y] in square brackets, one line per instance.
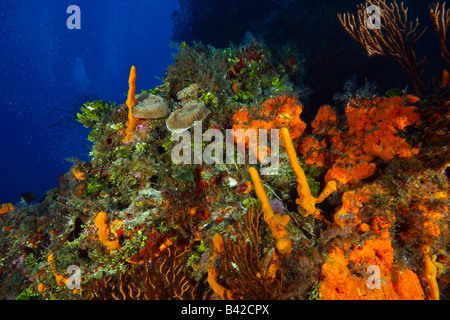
[357, 207]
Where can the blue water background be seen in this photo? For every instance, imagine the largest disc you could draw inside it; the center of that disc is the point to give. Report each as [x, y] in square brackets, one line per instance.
[47, 70]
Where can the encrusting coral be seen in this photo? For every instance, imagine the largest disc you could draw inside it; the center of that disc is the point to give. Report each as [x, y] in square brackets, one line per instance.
[373, 132]
[395, 38]
[352, 202]
[430, 273]
[249, 274]
[78, 173]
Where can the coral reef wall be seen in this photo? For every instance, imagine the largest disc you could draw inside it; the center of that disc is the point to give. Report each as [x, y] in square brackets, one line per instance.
[356, 207]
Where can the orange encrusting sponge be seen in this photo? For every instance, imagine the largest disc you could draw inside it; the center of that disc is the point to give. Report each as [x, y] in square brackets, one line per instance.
[273, 113]
[103, 231]
[377, 278]
[4, 208]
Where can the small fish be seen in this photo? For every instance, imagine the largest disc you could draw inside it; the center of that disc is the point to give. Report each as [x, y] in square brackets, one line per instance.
[27, 197]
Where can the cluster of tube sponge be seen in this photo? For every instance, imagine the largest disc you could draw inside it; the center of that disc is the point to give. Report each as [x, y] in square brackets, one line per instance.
[306, 201]
[275, 222]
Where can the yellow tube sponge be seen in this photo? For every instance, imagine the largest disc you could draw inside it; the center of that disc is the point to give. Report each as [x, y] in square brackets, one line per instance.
[219, 248]
[276, 222]
[104, 232]
[305, 200]
[430, 273]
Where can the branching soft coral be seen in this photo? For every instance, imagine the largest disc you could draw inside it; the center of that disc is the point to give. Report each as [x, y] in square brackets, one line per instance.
[373, 132]
[396, 36]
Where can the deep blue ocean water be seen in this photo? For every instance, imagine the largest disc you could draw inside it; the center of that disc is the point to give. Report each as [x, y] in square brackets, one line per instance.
[47, 72]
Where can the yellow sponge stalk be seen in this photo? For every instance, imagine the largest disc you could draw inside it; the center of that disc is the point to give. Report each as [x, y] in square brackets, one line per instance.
[276, 222]
[305, 200]
[219, 248]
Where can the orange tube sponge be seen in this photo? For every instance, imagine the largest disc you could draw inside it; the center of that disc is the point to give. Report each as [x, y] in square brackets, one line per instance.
[104, 232]
[276, 222]
[131, 101]
[305, 200]
[219, 248]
